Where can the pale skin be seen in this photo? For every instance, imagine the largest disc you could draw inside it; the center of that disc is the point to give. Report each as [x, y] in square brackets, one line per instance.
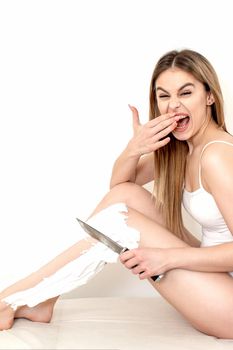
[196, 282]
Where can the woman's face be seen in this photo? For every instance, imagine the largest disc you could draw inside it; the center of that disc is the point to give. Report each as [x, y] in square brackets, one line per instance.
[180, 92]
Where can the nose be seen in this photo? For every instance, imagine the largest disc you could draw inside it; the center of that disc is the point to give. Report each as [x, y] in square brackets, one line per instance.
[174, 104]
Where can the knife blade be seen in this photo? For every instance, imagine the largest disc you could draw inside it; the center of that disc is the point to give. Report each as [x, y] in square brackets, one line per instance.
[117, 248]
[110, 243]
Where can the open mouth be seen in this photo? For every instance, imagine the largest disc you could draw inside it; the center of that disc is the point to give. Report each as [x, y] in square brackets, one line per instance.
[182, 123]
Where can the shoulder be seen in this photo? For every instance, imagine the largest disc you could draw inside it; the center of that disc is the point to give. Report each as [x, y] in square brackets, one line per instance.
[216, 152]
[217, 164]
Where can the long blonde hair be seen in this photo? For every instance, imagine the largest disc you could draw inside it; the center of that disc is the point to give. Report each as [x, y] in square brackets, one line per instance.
[170, 160]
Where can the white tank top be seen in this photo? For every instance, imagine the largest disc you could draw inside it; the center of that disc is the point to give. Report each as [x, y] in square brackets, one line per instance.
[202, 207]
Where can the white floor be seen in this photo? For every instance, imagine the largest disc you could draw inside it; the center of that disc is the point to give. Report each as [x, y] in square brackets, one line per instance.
[111, 324]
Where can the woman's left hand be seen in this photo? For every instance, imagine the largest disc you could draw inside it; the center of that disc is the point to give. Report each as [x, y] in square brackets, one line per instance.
[146, 262]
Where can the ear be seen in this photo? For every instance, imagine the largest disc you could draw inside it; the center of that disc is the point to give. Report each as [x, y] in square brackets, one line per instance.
[210, 99]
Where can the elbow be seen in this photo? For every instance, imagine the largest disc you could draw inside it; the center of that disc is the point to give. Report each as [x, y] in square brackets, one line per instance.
[116, 184]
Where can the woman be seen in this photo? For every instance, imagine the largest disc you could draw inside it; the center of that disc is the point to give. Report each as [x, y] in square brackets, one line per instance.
[187, 151]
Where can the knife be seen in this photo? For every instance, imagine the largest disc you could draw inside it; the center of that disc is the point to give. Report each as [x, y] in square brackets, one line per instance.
[117, 248]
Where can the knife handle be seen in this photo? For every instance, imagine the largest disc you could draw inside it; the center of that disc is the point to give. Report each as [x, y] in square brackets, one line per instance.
[157, 278]
[154, 278]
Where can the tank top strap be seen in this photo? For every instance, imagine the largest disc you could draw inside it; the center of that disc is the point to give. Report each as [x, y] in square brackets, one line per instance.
[203, 149]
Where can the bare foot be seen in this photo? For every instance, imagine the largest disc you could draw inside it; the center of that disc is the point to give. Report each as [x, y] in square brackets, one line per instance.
[40, 313]
[6, 316]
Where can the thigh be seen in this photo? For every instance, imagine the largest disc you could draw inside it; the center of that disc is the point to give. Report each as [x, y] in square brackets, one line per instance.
[204, 299]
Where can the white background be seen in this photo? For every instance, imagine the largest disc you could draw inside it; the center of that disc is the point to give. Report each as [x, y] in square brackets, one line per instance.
[68, 70]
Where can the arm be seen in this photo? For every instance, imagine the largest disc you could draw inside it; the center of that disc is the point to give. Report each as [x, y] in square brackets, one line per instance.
[148, 262]
[135, 163]
[217, 258]
[132, 169]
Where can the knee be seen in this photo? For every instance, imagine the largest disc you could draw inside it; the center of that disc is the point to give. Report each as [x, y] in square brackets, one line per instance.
[126, 191]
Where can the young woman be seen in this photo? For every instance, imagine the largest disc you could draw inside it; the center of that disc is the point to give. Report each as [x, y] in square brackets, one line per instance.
[187, 151]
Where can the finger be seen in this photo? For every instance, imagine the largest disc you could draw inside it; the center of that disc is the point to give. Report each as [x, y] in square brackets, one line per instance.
[159, 144]
[162, 118]
[143, 275]
[135, 115]
[131, 264]
[164, 132]
[129, 254]
[137, 270]
[161, 138]
[162, 143]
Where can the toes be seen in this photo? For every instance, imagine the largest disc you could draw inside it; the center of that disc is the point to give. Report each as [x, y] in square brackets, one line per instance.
[6, 324]
[6, 316]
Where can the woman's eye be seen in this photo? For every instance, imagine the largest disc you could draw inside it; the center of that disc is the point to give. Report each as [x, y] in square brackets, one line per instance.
[163, 96]
[186, 93]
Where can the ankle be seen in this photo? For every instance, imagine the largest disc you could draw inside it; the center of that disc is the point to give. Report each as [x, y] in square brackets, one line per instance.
[42, 312]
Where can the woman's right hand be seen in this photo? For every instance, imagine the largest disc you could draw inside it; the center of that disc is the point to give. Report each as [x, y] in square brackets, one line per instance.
[151, 136]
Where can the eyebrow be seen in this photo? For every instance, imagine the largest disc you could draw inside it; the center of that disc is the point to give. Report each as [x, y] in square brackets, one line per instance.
[182, 87]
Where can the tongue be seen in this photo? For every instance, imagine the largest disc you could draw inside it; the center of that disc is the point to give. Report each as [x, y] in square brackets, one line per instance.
[183, 122]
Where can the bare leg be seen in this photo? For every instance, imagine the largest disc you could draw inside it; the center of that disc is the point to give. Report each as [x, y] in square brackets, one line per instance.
[40, 313]
[135, 197]
[43, 311]
[48, 269]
